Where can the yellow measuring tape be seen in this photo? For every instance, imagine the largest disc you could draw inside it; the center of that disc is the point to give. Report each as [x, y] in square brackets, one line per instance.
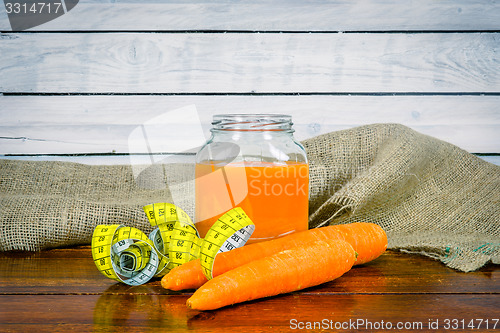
[127, 255]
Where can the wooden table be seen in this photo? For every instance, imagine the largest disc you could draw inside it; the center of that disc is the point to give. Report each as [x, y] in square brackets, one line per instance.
[61, 290]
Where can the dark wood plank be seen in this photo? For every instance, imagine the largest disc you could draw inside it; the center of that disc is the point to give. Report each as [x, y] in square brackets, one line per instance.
[60, 290]
[58, 271]
[248, 63]
[72, 271]
[144, 312]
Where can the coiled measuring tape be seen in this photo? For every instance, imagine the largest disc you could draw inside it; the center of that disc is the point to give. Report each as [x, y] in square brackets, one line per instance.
[127, 255]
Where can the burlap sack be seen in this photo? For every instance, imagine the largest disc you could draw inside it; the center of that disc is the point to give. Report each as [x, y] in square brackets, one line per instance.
[430, 197]
[55, 204]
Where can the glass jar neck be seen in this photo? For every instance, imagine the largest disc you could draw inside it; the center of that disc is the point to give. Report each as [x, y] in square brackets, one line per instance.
[252, 123]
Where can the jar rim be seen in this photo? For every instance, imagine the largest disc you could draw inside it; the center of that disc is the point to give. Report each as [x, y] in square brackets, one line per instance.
[252, 122]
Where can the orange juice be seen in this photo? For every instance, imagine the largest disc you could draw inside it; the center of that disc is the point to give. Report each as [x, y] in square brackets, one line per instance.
[274, 196]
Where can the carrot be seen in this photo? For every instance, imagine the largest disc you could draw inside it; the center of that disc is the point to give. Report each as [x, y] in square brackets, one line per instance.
[367, 239]
[300, 267]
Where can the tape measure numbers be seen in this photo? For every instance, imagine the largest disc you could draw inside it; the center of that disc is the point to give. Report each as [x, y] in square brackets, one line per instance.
[124, 254]
[231, 231]
[127, 255]
[168, 219]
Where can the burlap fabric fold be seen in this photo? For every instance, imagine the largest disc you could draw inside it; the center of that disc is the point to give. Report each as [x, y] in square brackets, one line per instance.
[431, 197]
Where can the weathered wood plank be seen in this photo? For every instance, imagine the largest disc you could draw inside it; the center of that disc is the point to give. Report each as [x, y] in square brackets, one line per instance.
[78, 139]
[267, 15]
[305, 109]
[114, 159]
[246, 63]
[102, 124]
[494, 159]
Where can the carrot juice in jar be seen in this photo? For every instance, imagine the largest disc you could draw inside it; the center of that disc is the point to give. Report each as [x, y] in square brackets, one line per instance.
[253, 162]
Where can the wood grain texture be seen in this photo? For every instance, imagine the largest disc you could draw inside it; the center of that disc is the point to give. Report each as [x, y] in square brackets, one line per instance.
[267, 15]
[72, 271]
[60, 290]
[140, 313]
[248, 63]
[102, 124]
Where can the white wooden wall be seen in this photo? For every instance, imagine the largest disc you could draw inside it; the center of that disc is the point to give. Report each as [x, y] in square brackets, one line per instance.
[83, 82]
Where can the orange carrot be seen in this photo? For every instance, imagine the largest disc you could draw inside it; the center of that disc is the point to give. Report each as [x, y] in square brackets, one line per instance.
[368, 240]
[300, 267]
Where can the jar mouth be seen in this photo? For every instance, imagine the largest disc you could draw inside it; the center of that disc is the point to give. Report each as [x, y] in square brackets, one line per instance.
[252, 122]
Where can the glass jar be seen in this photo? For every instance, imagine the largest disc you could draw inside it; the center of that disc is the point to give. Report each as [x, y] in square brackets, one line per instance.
[253, 161]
